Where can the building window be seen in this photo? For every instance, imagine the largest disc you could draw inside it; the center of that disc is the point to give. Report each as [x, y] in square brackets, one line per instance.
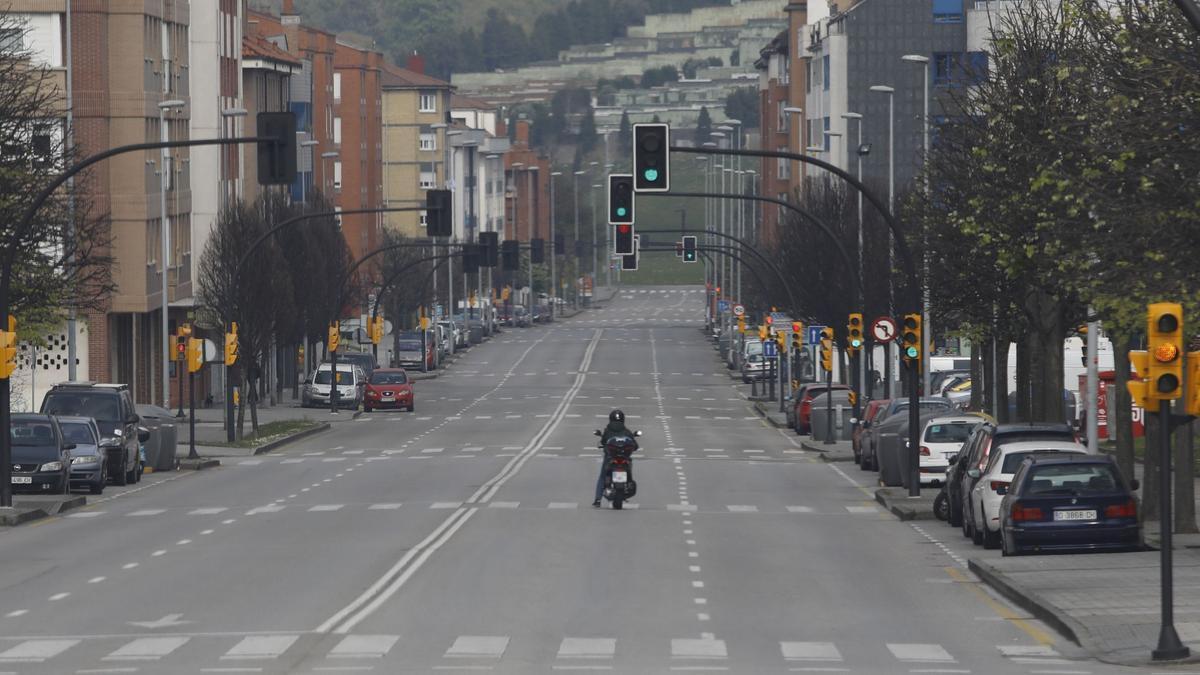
[428, 102]
[428, 176]
[337, 175]
[943, 69]
[947, 11]
[783, 117]
[428, 141]
[977, 67]
[825, 72]
[783, 167]
[12, 41]
[424, 219]
[337, 86]
[337, 130]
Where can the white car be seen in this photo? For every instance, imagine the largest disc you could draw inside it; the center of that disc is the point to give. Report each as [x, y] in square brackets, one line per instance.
[941, 439]
[351, 384]
[993, 482]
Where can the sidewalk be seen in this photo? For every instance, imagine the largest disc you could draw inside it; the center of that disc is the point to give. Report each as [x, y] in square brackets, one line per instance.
[838, 451]
[1108, 603]
[34, 507]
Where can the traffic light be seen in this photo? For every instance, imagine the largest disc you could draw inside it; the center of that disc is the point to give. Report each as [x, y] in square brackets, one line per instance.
[620, 199]
[762, 332]
[629, 263]
[277, 157]
[689, 250]
[651, 157]
[769, 320]
[375, 330]
[560, 246]
[334, 338]
[742, 324]
[1191, 397]
[180, 348]
[854, 333]
[827, 349]
[489, 243]
[537, 251]
[195, 355]
[1164, 330]
[624, 239]
[472, 255]
[911, 336]
[510, 255]
[1138, 386]
[231, 345]
[8, 349]
[579, 248]
[797, 341]
[439, 218]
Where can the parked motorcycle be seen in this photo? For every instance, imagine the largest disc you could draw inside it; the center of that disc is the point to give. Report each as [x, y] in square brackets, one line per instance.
[619, 485]
[941, 503]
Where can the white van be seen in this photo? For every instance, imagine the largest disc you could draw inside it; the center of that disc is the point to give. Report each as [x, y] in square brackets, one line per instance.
[352, 384]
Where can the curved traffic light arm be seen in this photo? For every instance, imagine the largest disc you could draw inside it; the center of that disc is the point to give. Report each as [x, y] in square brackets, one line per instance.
[729, 251]
[391, 280]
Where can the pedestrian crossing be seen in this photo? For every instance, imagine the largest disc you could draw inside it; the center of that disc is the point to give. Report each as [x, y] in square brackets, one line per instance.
[225, 652]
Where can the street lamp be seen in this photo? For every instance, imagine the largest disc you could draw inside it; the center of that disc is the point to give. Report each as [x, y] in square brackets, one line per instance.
[332, 154]
[833, 154]
[165, 135]
[575, 241]
[553, 242]
[923, 63]
[891, 94]
[595, 250]
[304, 181]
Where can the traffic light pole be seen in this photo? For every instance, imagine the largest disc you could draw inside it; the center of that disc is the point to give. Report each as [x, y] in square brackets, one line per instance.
[192, 454]
[1170, 647]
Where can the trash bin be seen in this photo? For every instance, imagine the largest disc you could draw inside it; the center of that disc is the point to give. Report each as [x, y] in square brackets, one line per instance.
[888, 457]
[160, 447]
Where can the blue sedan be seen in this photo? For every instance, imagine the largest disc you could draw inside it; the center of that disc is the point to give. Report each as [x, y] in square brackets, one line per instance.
[1069, 502]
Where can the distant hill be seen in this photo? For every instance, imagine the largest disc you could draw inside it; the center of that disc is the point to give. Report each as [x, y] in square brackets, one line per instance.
[474, 35]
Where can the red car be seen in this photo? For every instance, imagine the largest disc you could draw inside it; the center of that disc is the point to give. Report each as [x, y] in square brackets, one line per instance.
[804, 399]
[389, 388]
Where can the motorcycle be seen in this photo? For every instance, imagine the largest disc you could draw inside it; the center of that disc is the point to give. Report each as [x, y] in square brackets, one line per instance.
[619, 485]
[941, 503]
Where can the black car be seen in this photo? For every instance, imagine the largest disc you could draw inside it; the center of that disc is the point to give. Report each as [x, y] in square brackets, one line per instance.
[1069, 502]
[364, 360]
[41, 456]
[974, 454]
[111, 405]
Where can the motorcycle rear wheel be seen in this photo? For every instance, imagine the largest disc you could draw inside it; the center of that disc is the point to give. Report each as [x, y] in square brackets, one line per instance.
[617, 504]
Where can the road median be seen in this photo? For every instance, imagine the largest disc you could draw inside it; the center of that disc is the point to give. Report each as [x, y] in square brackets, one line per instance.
[904, 507]
[37, 507]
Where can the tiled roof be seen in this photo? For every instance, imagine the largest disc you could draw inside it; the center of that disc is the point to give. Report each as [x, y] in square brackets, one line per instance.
[458, 101]
[395, 77]
[258, 47]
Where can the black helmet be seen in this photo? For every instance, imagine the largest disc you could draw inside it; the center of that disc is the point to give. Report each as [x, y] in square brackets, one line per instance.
[616, 416]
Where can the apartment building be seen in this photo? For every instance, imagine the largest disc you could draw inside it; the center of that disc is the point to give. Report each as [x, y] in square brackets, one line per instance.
[528, 189]
[267, 72]
[416, 117]
[358, 137]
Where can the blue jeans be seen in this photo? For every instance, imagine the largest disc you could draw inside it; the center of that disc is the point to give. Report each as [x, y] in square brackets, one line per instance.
[600, 479]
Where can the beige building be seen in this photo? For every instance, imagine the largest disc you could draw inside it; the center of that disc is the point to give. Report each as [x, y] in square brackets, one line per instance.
[416, 110]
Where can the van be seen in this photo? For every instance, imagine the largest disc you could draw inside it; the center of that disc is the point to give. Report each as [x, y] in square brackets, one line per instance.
[351, 383]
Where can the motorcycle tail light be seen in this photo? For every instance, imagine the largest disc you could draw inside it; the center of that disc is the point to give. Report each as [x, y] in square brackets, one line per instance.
[1126, 510]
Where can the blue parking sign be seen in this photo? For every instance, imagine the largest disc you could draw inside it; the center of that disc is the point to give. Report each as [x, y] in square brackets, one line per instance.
[722, 305]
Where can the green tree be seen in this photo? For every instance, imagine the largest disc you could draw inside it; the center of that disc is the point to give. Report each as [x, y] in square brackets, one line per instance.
[625, 134]
[587, 131]
[743, 104]
[703, 127]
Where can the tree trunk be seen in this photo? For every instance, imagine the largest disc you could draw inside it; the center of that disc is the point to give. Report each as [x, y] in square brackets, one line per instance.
[1023, 372]
[1120, 418]
[979, 380]
[1046, 361]
[241, 407]
[1184, 477]
[257, 382]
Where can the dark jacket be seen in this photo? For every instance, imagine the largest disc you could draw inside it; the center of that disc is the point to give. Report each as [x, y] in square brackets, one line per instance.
[614, 429]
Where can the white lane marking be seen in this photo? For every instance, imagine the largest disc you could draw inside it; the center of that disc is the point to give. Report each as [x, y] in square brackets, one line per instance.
[147, 649]
[86, 514]
[15, 613]
[363, 646]
[504, 505]
[210, 511]
[445, 505]
[926, 653]
[698, 649]
[810, 651]
[326, 507]
[250, 462]
[260, 647]
[384, 507]
[96, 580]
[473, 448]
[432, 451]
[129, 566]
[333, 459]
[742, 508]
[488, 646]
[59, 596]
[800, 509]
[269, 508]
[148, 512]
[587, 648]
[862, 509]
[36, 651]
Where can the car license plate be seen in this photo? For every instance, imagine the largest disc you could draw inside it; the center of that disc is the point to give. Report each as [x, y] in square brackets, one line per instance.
[620, 476]
[22, 480]
[388, 399]
[1082, 514]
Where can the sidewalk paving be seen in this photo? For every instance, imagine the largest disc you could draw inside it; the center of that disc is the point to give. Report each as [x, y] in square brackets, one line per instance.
[1108, 603]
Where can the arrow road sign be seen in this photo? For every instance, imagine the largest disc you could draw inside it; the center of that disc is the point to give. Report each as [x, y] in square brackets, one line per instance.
[769, 348]
[813, 335]
[883, 329]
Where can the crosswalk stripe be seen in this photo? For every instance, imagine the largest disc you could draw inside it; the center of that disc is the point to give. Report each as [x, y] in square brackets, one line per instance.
[294, 460]
[148, 512]
[587, 648]
[269, 508]
[684, 648]
[384, 507]
[920, 652]
[504, 505]
[799, 509]
[326, 507]
[810, 651]
[207, 511]
[36, 650]
[742, 508]
[364, 646]
[861, 509]
[261, 647]
[490, 646]
[147, 649]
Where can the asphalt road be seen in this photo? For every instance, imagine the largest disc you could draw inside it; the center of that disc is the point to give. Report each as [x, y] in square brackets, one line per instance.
[461, 538]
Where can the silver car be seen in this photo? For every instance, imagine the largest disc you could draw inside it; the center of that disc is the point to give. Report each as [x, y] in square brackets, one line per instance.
[88, 465]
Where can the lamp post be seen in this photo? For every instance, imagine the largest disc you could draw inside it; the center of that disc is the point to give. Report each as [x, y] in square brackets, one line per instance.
[711, 177]
[891, 94]
[595, 249]
[165, 226]
[859, 151]
[308, 145]
[720, 224]
[575, 241]
[328, 182]
[532, 172]
[554, 289]
[798, 113]
[927, 330]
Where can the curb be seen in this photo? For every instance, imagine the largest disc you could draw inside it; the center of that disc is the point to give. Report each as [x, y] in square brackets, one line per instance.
[763, 414]
[902, 514]
[14, 519]
[280, 442]
[1032, 603]
[826, 454]
[417, 377]
[198, 464]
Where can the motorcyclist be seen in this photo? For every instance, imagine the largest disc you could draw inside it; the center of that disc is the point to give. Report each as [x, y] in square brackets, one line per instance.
[615, 427]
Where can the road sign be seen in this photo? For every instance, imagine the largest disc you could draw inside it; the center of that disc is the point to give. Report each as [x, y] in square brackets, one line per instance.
[739, 310]
[769, 348]
[883, 329]
[780, 317]
[813, 334]
[722, 305]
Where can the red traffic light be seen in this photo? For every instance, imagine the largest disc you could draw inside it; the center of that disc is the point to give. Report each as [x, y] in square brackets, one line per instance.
[795, 326]
[623, 229]
[770, 321]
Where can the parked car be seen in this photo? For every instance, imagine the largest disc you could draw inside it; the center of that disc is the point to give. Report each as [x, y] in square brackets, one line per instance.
[888, 419]
[41, 456]
[351, 383]
[803, 403]
[409, 352]
[974, 454]
[111, 406]
[754, 364]
[164, 436]
[88, 470]
[520, 317]
[869, 414]
[991, 484]
[389, 388]
[941, 439]
[364, 360]
[1069, 502]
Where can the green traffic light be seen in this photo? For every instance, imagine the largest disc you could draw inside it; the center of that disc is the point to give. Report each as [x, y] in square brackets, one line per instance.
[856, 343]
[910, 352]
[621, 211]
[651, 175]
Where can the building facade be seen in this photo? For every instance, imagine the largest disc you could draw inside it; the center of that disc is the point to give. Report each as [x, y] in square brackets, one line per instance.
[358, 137]
[416, 117]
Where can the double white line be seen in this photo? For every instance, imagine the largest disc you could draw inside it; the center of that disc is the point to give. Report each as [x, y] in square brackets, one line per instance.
[387, 585]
